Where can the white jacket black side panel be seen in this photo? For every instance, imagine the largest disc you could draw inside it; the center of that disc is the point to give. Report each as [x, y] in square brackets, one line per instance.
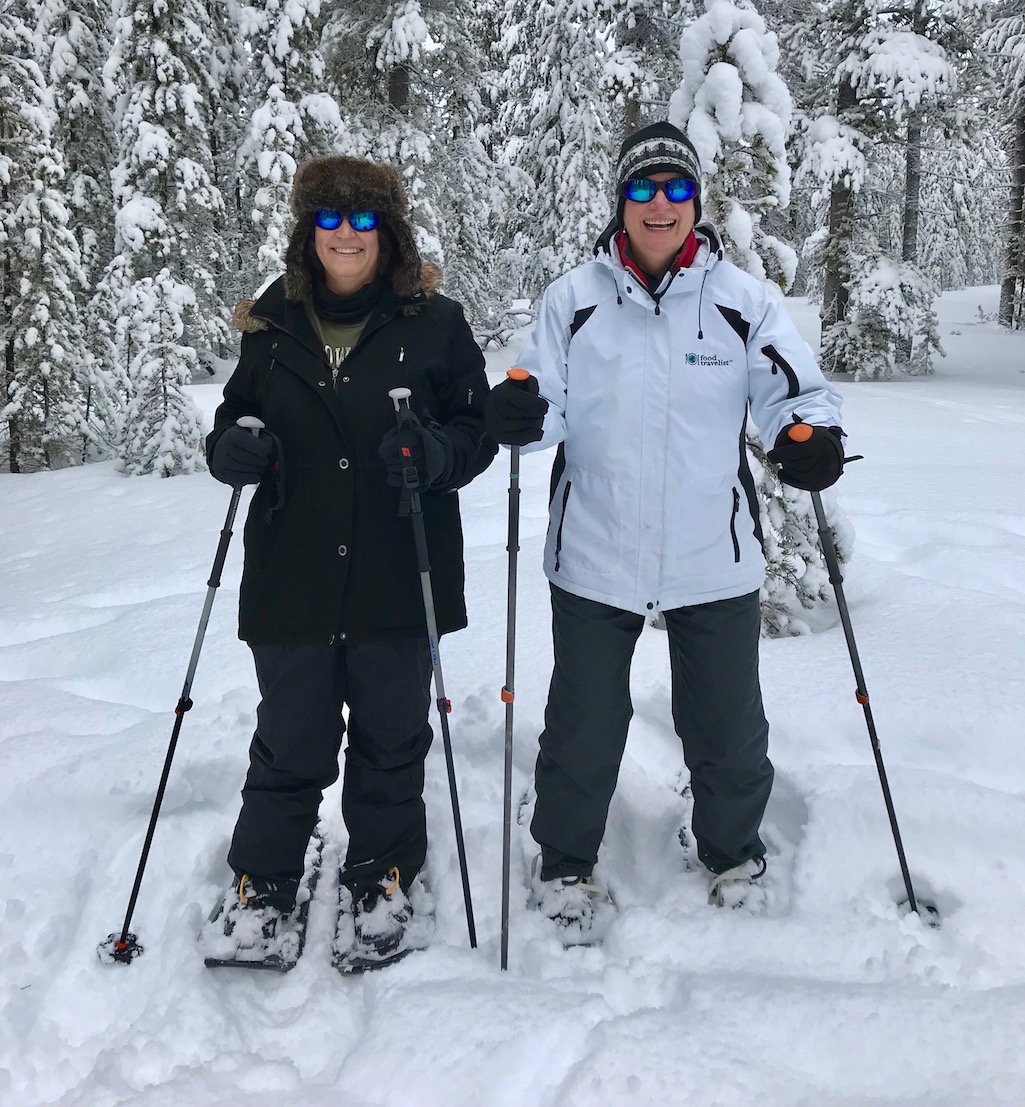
[655, 507]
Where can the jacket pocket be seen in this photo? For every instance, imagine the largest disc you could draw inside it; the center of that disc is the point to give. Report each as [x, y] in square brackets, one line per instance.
[586, 518]
[562, 523]
[733, 526]
[261, 531]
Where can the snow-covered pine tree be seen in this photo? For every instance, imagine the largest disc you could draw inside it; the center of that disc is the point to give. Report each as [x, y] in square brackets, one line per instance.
[796, 578]
[472, 196]
[166, 208]
[964, 211]
[77, 34]
[930, 106]
[564, 149]
[642, 64]
[518, 86]
[737, 111]
[162, 424]
[1004, 42]
[199, 204]
[41, 395]
[875, 64]
[230, 81]
[376, 60]
[293, 118]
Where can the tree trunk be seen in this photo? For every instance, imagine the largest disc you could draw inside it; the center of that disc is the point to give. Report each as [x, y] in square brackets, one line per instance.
[835, 293]
[912, 196]
[398, 88]
[640, 36]
[631, 116]
[13, 428]
[1010, 312]
[6, 331]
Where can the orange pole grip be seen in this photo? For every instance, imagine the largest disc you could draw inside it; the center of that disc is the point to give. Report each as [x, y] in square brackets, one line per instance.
[800, 432]
[517, 374]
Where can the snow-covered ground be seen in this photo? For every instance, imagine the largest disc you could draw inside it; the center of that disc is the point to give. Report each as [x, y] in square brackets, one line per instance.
[833, 998]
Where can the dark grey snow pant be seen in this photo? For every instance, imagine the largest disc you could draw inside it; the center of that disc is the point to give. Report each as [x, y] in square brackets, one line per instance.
[717, 712]
[294, 755]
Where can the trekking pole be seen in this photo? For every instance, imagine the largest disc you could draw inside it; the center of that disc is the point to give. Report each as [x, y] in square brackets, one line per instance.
[801, 432]
[410, 504]
[124, 947]
[508, 691]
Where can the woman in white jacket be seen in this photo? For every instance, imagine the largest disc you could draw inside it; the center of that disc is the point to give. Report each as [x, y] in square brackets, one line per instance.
[644, 364]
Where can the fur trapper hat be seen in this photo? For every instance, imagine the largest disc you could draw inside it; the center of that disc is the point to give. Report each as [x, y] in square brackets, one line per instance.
[350, 184]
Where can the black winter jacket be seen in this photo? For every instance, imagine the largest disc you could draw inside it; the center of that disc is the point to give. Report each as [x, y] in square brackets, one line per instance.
[334, 561]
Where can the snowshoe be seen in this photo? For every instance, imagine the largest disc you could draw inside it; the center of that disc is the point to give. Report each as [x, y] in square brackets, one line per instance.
[581, 908]
[261, 924]
[379, 921]
[739, 887]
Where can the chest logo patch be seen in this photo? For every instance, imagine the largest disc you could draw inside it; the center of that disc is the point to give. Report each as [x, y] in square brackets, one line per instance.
[708, 359]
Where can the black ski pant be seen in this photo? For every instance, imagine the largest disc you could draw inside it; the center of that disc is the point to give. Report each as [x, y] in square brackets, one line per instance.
[294, 755]
[717, 712]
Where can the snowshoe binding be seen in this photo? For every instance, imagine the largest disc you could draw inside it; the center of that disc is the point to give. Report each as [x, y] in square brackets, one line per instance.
[740, 887]
[261, 924]
[379, 920]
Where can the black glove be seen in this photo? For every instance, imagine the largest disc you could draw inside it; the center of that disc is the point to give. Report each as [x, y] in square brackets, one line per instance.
[515, 412]
[422, 448]
[241, 457]
[812, 464]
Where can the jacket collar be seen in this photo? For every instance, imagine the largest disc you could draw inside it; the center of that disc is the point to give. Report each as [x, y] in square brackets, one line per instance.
[708, 254]
[704, 230]
[683, 260]
[273, 310]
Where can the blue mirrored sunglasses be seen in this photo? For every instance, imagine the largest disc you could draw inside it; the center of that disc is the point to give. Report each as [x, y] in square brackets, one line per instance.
[641, 190]
[329, 220]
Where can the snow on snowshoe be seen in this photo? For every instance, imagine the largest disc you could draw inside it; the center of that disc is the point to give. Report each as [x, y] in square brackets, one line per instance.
[580, 907]
[379, 921]
[257, 925]
[740, 887]
[752, 887]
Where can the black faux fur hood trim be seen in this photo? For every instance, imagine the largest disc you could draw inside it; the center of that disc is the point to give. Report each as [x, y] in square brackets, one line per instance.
[245, 322]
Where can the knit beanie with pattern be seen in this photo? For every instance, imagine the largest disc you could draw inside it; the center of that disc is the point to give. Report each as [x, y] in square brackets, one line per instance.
[657, 148]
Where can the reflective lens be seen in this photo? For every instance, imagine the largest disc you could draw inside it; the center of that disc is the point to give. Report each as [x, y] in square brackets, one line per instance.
[330, 220]
[363, 220]
[641, 190]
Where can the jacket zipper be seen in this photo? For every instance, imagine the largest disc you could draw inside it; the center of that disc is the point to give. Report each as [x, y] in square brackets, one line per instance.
[562, 523]
[779, 362]
[733, 525]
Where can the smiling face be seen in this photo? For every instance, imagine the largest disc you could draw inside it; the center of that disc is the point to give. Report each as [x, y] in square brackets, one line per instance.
[658, 229]
[349, 257]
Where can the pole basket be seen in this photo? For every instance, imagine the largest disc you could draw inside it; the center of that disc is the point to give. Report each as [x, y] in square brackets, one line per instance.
[119, 951]
[927, 911]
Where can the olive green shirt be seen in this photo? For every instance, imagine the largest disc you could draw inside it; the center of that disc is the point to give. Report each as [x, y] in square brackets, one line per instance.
[337, 339]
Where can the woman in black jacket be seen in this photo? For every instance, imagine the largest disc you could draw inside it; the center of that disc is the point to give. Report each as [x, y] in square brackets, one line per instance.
[331, 602]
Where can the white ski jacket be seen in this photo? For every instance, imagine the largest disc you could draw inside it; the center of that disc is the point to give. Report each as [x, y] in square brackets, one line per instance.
[653, 503]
